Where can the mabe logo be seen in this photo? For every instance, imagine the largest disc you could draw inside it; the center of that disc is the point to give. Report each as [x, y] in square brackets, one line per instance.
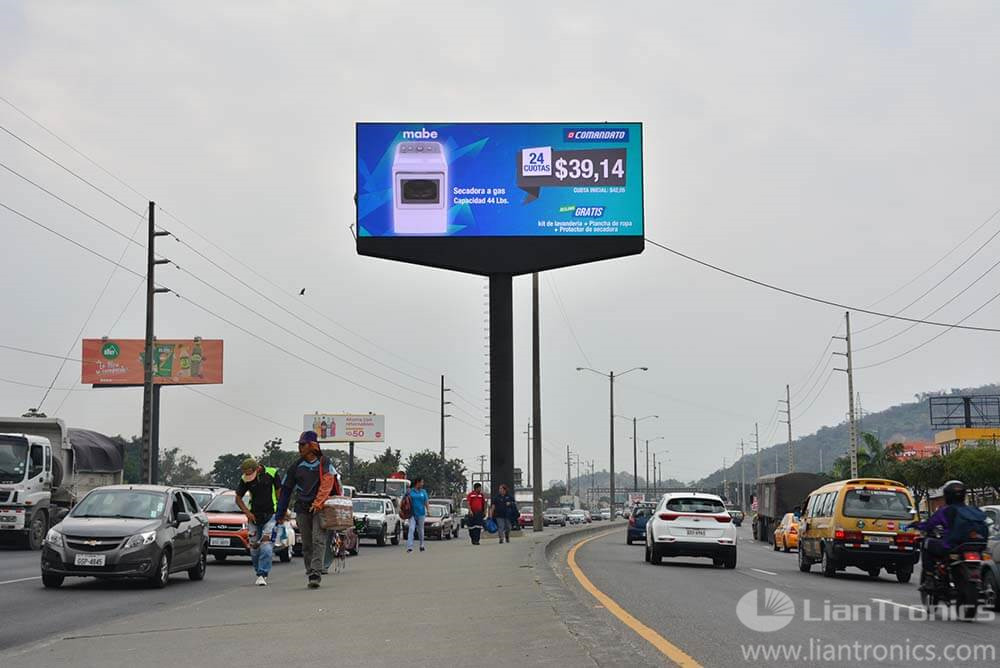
[773, 613]
[110, 351]
[422, 133]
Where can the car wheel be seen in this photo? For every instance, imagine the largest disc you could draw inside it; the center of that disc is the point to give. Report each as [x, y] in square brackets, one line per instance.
[36, 532]
[784, 546]
[774, 545]
[992, 587]
[395, 536]
[804, 564]
[827, 564]
[52, 581]
[285, 555]
[648, 557]
[903, 576]
[655, 557]
[873, 572]
[628, 539]
[380, 541]
[161, 576]
[197, 572]
[730, 561]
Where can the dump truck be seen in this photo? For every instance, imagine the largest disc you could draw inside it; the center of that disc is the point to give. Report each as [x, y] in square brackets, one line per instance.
[45, 468]
[778, 494]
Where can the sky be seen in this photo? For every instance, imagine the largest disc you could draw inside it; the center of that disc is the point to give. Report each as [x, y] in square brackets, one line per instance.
[836, 149]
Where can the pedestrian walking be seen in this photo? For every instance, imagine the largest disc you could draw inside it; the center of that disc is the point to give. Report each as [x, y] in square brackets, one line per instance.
[504, 511]
[311, 478]
[262, 484]
[477, 512]
[418, 513]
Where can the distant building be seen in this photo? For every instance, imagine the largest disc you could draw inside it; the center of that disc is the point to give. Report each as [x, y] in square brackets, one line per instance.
[918, 450]
[950, 440]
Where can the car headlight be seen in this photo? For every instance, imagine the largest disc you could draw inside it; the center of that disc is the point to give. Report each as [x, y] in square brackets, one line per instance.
[244, 527]
[54, 538]
[140, 539]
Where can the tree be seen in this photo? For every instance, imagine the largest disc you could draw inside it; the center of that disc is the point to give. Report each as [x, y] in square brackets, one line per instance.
[226, 470]
[447, 479]
[132, 446]
[920, 475]
[552, 494]
[177, 468]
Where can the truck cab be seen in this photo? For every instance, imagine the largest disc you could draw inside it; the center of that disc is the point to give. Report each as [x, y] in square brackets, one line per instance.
[25, 486]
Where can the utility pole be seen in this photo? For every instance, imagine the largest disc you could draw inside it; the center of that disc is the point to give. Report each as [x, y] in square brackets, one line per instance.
[611, 428]
[443, 415]
[724, 481]
[569, 473]
[536, 404]
[656, 486]
[527, 479]
[659, 474]
[851, 424]
[150, 416]
[635, 455]
[788, 415]
[743, 480]
[647, 467]
[756, 440]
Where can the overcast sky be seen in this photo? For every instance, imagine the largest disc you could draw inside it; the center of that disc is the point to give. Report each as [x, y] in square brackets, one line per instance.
[838, 149]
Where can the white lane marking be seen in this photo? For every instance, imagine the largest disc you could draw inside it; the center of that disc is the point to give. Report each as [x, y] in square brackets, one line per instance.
[763, 571]
[10, 582]
[899, 605]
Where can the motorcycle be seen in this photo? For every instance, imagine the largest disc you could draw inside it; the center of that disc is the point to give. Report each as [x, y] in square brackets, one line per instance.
[955, 580]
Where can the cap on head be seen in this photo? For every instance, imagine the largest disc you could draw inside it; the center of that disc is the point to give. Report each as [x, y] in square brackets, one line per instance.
[308, 437]
[249, 468]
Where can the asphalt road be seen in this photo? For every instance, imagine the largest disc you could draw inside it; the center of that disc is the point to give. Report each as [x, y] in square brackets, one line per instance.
[694, 606]
[30, 613]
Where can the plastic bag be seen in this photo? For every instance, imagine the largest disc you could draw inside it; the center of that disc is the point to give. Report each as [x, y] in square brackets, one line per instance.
[490, 525]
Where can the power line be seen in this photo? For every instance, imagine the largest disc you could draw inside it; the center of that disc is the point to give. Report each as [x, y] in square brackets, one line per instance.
[551, 282]
[818, 300]
[818, 394]
[933, 338]
[956, 296]
[935, 264]
[238, 408]
[805, 395]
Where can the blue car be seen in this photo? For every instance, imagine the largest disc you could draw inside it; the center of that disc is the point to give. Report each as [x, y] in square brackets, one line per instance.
[637, 523]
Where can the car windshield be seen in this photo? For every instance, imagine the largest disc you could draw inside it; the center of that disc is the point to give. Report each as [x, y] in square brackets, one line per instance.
[202, 498]
[225, 503]
[368, 506]
[577, 513]
[642, 510]
[694, 505]
[13, 459]
[391, 487]
[435, 511]
[121, 503]
[880, 503]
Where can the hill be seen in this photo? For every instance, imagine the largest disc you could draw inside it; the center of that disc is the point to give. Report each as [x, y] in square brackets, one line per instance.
[909, 420]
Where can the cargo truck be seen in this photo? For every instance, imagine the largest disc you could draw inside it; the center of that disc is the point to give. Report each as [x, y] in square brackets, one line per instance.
[778, 494]
[45, 468]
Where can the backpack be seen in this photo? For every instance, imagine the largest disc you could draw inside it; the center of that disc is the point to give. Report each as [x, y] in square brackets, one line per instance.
[406, 507]
[969, 525]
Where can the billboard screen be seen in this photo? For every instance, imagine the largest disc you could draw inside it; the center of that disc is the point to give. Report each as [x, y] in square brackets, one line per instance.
[499, 198]
[346, 427]
[175, 361]
[499, 179]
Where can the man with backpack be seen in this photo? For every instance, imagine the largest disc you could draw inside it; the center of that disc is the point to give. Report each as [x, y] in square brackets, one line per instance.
[311, 478]
[477, 511]
[262, 484]
[957, 523]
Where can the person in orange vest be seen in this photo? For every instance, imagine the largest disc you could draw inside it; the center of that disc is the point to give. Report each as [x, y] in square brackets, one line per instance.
[477, 511]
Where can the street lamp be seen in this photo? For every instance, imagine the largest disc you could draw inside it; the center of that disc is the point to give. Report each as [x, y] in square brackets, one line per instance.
[635, 447]
[657, 471]
[611, 420]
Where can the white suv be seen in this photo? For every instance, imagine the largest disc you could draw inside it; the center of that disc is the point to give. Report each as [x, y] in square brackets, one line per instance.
[691, 524]
[383, 519]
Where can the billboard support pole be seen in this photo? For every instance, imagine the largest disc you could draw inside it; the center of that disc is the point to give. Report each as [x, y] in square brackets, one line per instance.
[501, 381]
[350, 460]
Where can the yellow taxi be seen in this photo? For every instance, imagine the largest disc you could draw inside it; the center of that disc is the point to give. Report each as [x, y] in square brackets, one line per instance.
[786, 536]
[859, 523]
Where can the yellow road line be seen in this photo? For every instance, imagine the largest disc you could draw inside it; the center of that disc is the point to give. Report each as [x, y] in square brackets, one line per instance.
[667, 648]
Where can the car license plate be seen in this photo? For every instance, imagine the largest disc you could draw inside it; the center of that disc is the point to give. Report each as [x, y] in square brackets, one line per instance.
[89, 560]
[879, 539]
[218, 542]
[696, 532]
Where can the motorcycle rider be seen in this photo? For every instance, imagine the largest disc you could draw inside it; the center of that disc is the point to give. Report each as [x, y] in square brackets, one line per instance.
[955, 522]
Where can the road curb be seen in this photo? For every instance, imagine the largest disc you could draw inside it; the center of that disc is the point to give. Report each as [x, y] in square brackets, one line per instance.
[606, 644]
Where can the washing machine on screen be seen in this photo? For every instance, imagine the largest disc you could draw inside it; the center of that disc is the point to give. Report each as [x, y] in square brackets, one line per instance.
[420, 188]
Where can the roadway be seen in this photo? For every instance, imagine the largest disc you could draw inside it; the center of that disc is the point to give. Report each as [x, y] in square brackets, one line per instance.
[692, 605]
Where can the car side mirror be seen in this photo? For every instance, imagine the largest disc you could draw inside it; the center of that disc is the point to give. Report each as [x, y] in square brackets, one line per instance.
[912, 511]
[183, 517]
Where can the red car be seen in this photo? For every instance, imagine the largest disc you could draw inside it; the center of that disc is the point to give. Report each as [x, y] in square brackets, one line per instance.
[527, 518]
[227, 530]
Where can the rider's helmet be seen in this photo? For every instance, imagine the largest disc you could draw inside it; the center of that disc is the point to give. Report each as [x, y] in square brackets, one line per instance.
[954, 492]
